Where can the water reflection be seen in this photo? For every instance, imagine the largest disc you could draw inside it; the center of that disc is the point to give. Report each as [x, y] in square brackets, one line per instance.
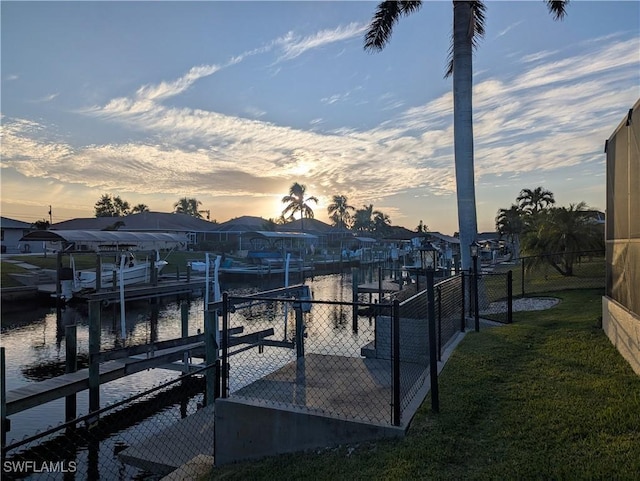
[35, 345]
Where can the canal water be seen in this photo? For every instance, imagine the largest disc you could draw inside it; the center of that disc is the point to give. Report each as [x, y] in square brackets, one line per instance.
[35, 346]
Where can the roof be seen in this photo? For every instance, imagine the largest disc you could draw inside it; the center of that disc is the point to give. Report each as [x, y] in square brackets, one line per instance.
[7, 223]
[280, 235]
[442, 237]
[242, 224]
[143, 221]
[313, 225]
[98, 238]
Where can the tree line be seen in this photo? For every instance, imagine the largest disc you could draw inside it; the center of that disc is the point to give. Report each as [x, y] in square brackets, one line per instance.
[341, 213]
[114, 206]
[297, 202]
[534, 226]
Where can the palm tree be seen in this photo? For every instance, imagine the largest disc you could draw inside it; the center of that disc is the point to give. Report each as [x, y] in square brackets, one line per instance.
[338, 211]
[468, 27]
[509, 223]
[363, 218]
[422, 227]
[297, 203]
[188, 206]
[140, 208]
[381, 223]
[533, 201]
[562, 231]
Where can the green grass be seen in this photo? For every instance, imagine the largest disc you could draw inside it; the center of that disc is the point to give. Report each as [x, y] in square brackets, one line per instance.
[548, 397]
[589, 273]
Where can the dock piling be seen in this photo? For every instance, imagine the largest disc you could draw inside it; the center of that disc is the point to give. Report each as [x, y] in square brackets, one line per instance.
[94, 352]
[71, 365]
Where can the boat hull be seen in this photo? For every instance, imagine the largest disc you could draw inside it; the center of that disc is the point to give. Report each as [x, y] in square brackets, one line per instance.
[138, 274]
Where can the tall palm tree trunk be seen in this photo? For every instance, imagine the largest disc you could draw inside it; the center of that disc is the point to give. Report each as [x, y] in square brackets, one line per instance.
[463, 127]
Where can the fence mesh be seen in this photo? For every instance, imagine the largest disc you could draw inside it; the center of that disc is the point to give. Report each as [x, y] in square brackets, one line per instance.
[144, 437]
[557, 272]
[493, 296]
[449, 308]
[317, 355]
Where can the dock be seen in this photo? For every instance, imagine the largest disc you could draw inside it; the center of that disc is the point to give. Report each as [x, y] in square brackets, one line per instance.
[164, 287]
[34, 394]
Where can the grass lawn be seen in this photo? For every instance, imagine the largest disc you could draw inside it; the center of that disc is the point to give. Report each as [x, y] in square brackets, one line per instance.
[547, 397]
[590, 272]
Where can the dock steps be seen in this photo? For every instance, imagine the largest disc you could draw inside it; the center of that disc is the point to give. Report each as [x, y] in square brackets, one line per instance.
[189, 437]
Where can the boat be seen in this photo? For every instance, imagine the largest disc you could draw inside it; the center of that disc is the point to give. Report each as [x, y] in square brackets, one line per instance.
[126, 270]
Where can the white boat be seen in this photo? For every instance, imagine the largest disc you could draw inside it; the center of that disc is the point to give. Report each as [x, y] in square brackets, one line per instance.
[129, 270]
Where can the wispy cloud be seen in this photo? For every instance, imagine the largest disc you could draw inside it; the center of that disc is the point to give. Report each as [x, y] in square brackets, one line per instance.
[554, 115]
[293, 46]
[46, 98]
[508, 29]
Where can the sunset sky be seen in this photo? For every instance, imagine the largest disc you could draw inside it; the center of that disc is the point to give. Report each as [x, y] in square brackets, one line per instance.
[232, 102]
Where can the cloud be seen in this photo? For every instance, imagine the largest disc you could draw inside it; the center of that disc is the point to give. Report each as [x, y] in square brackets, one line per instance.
[46, 98]
[293, 46]
[554, 115]
[508, 29]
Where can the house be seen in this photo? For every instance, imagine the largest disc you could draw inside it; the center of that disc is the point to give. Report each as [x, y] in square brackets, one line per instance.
[11, 233]
[194, 228]
[328, 235]
[621, 302]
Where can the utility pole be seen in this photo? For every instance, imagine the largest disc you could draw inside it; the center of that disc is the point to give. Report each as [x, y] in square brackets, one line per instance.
[50, 216]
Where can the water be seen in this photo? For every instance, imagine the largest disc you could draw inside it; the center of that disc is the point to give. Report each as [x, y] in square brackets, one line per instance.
[35, 346]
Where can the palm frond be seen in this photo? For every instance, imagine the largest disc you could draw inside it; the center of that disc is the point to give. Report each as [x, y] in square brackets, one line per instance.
[385, 17]
[558, 8]
[476, 31]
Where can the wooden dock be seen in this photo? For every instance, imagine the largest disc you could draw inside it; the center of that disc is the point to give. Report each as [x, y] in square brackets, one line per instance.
[164, 287]
[34, 394]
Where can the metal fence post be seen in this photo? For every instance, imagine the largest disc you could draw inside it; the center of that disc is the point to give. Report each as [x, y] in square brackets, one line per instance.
[3, 400]
[299, 330]
[224, 375]
[463, 322]
[522, 261]
[354, 297]
[210, 350]
[433, 361]
[509, 297]
[395, 333]
[476, 302]
[439, 291]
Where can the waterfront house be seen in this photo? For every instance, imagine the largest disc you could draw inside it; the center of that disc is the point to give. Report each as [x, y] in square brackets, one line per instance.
[11, 233]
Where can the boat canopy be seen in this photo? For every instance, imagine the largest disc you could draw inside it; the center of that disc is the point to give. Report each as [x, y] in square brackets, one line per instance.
[101, 239]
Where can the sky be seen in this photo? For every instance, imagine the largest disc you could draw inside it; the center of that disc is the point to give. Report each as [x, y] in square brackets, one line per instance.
[232, 102]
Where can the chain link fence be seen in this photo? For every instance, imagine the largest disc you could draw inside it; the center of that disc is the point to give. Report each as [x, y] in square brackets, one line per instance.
[143, 437]
[495, 298]
[557, 272]
[308, 354]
